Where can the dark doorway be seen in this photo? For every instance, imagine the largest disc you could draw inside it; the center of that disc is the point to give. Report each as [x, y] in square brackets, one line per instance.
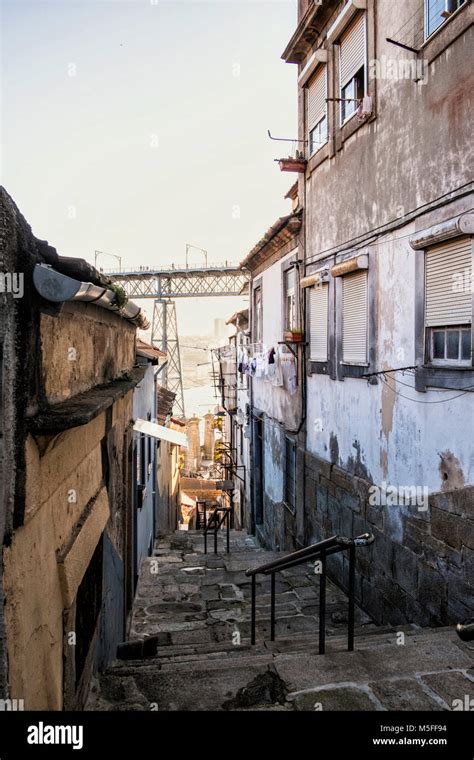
[258, 473]
[88, 606]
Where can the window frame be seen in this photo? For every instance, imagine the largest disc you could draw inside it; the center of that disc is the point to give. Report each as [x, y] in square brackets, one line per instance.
[427, 33]
[365, 362]
[257, 319]
[290, 296]
[428, 375]
[446, 362]
[310, 129]
[323, 285]
[347, 369]
[343, 120]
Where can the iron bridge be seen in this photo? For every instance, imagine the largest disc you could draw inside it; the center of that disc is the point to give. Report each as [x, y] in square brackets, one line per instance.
[195, 282]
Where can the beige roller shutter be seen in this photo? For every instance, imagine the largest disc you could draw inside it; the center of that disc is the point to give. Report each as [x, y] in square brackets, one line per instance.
[448, 280]
[318, 316]
[316, 97]
[352, 50]
[354, 318]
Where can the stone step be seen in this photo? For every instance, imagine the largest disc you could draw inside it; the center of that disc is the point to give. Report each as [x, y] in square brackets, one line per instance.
[426, 672]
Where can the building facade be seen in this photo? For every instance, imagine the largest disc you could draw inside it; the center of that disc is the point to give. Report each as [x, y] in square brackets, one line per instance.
[69, 374]
[382, 284]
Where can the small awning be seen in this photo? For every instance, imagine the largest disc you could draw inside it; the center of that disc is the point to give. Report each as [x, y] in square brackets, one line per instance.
[161, 432]
[314, 279]
[350, 265]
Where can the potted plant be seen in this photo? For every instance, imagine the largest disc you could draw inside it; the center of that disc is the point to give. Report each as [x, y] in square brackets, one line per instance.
[294, 335]
[296, 164]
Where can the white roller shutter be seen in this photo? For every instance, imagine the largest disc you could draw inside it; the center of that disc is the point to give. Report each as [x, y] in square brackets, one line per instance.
[354, 318]
[352, 50]
[448, 280]
[318, 316]
[316, 97]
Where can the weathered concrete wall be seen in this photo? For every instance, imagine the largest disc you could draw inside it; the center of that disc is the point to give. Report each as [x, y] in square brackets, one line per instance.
[61, 490]
[407, 168]
[59, 470]
[280, 530]
[415, 436]
[83, 349]
[275, 402]
[419, 569]
[416, 150]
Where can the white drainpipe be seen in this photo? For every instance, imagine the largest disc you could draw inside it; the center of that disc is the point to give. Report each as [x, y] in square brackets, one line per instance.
[57, 287]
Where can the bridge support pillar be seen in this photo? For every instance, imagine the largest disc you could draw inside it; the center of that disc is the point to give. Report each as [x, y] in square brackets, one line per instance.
[164, 336]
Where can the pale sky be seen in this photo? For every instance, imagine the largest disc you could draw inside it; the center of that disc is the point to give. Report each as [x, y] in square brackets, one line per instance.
[137, 126]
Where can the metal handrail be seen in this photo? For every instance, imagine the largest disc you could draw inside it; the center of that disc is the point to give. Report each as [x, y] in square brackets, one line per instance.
[300, 554]
[319, 551]
[215, 523]
[465, 630]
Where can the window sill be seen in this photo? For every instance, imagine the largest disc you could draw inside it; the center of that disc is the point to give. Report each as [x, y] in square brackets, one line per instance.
[353, 370]
[448, 378]
[318, 367]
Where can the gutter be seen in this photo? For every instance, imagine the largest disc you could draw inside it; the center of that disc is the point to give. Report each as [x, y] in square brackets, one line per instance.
[57, 287]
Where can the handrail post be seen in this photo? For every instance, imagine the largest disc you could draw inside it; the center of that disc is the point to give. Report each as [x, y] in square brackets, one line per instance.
[254, 594]
[272, 609]
[205, 528]
[228, 531]
[216, 523]
[350, 629]
[322, 604]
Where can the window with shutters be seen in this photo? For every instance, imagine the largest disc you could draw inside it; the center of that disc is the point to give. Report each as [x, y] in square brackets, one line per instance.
[316, 110]
[318, 317]
[448, 303]
[354, 318]
[437, 12]
[353, 67]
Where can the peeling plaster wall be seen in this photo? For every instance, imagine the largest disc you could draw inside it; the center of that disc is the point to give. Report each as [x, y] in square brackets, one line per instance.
[409, 168]
[277, 403]
[379, 433]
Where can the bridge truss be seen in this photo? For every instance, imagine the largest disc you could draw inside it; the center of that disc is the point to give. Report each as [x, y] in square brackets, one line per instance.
[166, 285]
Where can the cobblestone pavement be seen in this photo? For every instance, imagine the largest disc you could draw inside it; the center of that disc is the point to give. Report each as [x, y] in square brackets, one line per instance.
[190, 648]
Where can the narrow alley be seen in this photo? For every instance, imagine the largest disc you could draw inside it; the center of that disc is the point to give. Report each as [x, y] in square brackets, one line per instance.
[190, 643]
[237, 374]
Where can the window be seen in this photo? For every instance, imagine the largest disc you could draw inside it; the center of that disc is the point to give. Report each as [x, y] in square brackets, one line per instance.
[352, 67]
[354, 318]
[437, 12]
[258, 326]
[289, 295]
[318, 315]
[450, 345]
[290, 473]
[448, 303]
[317, 110]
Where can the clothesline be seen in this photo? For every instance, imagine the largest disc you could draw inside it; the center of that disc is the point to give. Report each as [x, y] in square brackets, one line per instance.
[271, 365]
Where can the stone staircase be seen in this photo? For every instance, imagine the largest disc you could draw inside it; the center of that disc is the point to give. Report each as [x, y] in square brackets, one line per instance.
[192, 618]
